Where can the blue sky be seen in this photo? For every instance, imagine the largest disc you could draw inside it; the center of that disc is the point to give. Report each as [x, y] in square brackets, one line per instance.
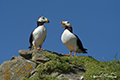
[96, 22]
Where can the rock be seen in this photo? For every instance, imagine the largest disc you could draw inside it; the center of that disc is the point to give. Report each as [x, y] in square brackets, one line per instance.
[47, 65]
[38, 57]
[27, 64]
[25, 53]
[73, 75]
[34, 55]
[16, 68]
[30, 61]
[55, 74]
[70, 75]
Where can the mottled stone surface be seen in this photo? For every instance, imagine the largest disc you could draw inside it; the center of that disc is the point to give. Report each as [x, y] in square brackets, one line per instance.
[27, 64]
[25, 53]
[16, 68]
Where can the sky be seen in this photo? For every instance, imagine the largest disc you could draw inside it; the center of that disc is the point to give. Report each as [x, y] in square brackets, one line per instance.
[95, 22]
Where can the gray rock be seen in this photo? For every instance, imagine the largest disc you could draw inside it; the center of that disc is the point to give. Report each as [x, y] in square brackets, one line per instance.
[55, 74]
[34, 55]
[38, 57]
[16, 68]
[27, 65]
[70, 76]
[73, 75]
[25, 53]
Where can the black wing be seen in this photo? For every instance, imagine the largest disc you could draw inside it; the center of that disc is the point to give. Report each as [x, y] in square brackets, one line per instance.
[79, 43]
[30, 40]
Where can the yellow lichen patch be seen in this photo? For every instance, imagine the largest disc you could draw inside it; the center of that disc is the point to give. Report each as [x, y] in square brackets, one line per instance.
[28, 67]
[7, 73]
[23, 66]
[38, 57]
[16, 74]
[7, 77]
[24, 73]
[28, 73]
[7, 70]
[19, 70]
[24, 59]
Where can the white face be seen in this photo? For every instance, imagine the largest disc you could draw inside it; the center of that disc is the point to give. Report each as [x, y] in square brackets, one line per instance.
[43, 19]
[65, 23]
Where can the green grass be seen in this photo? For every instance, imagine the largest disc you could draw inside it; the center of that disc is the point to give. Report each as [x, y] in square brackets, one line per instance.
[92, 67]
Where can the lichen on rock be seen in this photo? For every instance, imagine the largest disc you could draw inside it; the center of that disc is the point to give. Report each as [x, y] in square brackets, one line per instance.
[47, 65]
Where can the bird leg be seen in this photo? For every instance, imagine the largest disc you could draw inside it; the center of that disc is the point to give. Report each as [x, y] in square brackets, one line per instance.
[34, 47]
[75, 53]
[70, 53]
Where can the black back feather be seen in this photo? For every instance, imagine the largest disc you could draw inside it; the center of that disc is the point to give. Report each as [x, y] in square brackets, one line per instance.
[79, 43]
[30, 40]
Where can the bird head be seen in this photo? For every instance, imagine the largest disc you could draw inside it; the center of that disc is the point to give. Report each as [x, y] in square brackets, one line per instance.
[65, 24]
[43, 20]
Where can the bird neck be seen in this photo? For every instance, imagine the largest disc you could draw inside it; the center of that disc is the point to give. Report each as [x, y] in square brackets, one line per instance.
[69, 28]
[39, 23]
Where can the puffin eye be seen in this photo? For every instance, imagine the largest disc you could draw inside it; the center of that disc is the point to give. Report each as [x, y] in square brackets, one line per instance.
[67, 22]
[43, 18]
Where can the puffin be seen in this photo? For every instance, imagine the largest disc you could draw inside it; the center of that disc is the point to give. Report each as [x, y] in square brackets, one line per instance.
[71, 40]
[38, 35]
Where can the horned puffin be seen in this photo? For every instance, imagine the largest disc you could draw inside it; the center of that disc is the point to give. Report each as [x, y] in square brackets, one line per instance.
[38, 35]
[70, 40]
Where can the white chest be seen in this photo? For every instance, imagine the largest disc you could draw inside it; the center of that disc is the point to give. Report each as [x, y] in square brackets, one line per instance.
[39, 34]
[69, 39]
[40, 31]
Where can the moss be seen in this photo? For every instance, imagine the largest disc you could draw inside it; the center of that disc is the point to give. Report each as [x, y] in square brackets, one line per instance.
[50, 55]
[62, 64]
[57, 66]
[57, 63]
[100, 68]
[63, 78]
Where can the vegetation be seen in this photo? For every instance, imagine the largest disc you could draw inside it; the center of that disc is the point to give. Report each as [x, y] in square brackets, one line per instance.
[94, 70]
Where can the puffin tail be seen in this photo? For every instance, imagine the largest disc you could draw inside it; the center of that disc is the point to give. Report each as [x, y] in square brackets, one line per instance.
[85, 51]
[30, 47]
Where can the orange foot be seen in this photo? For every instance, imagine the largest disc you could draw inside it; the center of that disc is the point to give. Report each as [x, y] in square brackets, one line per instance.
[40, 49]
[34, 47]
[75, 54]
[69, 53]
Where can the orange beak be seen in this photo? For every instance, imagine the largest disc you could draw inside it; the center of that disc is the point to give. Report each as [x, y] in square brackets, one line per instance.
[47, 21]
[63, 24]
